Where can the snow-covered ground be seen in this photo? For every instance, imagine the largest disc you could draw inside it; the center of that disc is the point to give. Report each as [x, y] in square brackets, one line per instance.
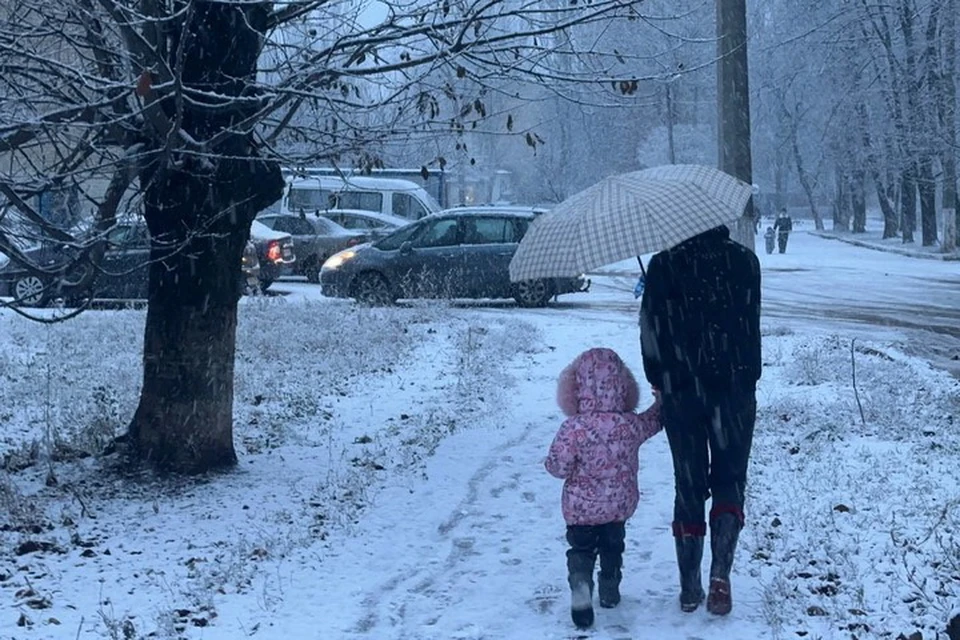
[391, 482]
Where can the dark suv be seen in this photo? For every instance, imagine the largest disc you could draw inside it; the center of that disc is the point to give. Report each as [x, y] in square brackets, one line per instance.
[458, 253]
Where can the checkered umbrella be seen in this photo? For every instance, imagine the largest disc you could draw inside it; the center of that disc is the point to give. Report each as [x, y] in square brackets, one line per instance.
[628, 215]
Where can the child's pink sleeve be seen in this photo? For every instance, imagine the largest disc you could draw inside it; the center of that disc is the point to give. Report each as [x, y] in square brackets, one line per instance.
[648, 423]
[562, 457]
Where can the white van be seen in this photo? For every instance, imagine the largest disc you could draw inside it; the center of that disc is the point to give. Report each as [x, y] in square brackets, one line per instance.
[316, 194]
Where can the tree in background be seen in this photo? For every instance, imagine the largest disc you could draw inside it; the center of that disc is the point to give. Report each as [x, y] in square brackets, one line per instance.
[877, 81]
[183, 110]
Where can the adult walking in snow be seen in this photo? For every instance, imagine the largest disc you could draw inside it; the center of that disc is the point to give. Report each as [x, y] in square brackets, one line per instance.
[783, 225]
[595, 452]
[700, 341]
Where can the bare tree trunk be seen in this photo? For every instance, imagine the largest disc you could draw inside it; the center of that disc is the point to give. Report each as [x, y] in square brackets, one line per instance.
[908, 205]
[929, 129]
[912, 85]
[199, 212]
[841, 205]
[951, 214]
[927, 186]
[807, 185]
[184, 421]
[886, 194]
[671, 144]
[733, 102]
[858, 200]
[779, 173]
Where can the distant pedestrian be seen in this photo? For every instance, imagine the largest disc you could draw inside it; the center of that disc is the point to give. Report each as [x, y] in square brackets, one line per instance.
[700, 340]
[783, 225]
[596, 453]
[769, 237]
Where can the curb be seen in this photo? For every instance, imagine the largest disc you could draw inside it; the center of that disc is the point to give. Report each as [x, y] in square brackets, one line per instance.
[943, 257]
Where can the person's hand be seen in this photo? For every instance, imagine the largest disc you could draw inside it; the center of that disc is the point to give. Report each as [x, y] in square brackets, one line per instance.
[656, 395]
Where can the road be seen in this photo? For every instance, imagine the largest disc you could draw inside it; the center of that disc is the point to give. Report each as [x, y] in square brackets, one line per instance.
[819, 284]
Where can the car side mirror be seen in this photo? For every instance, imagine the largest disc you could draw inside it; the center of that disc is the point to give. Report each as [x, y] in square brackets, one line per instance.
[406, 247]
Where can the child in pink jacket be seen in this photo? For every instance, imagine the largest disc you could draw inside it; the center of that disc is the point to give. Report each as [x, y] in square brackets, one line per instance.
[595, 452]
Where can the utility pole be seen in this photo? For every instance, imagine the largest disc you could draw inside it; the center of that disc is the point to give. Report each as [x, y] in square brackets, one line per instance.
[733, 104]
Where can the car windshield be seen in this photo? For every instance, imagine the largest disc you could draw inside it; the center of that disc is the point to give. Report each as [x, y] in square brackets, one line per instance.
[393, 241]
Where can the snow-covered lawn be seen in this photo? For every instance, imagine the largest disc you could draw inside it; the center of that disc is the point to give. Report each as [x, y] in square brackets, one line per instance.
[390, 486]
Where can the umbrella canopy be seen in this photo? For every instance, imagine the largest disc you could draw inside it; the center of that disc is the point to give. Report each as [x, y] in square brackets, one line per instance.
[628, 215]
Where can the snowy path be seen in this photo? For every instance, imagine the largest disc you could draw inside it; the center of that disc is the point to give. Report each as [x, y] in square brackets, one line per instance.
[476, 550]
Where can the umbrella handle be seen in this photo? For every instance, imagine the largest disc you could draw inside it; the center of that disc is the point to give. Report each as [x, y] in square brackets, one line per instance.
[642, 270]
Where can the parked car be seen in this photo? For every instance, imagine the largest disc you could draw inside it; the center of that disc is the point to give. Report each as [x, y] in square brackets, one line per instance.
[372, 223]
[457, 253]
[123, 272]
[314, 240]
[392, 196]
[275, 252]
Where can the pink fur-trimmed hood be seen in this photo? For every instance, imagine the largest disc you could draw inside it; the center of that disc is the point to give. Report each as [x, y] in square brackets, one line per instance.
[597, 381]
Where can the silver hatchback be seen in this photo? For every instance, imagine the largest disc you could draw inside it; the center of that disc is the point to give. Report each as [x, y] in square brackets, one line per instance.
[457, 253]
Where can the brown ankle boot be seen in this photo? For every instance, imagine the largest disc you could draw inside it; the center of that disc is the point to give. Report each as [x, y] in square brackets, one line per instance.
[719, 601]
[724, 531]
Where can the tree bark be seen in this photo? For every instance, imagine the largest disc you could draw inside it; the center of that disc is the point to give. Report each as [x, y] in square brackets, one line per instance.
[733, 104]
[908, 205]
[806, 184]
[930, 130]
[199, 210]
[671, 143]
[779, 174]
[841, 205]
[927, 187]
[886, 195]
[858, 201]
[951, 236]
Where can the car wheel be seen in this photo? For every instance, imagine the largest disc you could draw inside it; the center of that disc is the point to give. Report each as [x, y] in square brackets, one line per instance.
[312, 270]
[532, 293]
[30, 291]
[372, 288]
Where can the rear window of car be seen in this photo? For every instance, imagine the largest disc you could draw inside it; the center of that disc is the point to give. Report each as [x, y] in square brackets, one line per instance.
[299, 227]
[323, 226]
[351, 221]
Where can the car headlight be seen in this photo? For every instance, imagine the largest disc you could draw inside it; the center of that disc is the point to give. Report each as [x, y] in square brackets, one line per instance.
[338, 259]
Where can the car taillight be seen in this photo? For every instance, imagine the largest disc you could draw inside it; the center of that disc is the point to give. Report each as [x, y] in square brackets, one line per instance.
[273, 251]
[355, 241]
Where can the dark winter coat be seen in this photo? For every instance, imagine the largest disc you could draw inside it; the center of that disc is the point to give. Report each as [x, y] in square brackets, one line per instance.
[700, 316]
[783, 224]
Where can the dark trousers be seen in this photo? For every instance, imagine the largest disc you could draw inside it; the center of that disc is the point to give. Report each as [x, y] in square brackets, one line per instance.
[710, 440]
[586, 543]
[782, 241]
